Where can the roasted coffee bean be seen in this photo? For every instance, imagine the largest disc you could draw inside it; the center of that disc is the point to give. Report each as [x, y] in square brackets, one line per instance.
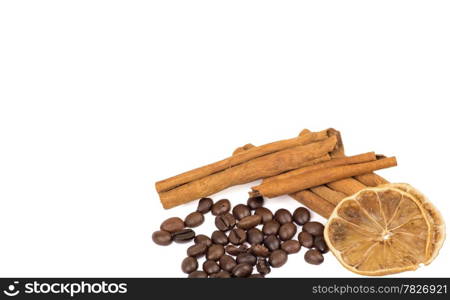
[204, 205]
[246, 258]
[202, 239]
[233, 250]
[287, 231]
[271, 227]
[272, 242]
[241, 211]
[172, 225]
[221, 207]
[320, 244]
[237, 236]
[220, 274]
[263, 266]
[198, 274]
[266, 214]
[197, 250]
[255, 236]
[189, 265]
[249, 222]
[183, 236]
[227, 263]
[162, 238]
[283, 216]
[225, 222]
[210, 267]
[301, 215]
[278, 258]
[314, 257]
[194, 219]
[314, 228]
[218, 237]
[259, 250]
[306, 239]
[256, 276]
[291, 246]
[255, 202]
[215, 252]
[242, 270]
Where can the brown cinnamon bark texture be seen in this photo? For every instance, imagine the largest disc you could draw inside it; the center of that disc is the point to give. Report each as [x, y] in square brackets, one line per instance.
[249, 168]
[314, 202]
[341, 161]
[318, 177]
[239, 158]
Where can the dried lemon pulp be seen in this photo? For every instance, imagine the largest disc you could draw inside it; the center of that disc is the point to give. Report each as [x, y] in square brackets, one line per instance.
[384, 230]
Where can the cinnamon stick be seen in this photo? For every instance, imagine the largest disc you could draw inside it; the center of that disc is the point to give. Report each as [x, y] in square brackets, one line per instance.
[347, 186]
[321, 176]
[239, 158]
[260, 167]
[371, 179]
[328, 194]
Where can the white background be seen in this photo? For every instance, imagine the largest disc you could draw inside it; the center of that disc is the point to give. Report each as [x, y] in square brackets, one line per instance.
[100, 99]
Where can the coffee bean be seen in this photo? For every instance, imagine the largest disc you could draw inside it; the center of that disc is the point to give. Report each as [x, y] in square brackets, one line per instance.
[291, 246]
[210, 267]
[197, 250]
[301, 215]
[225, 222]
[242, 270]
[183, 236]
[278, 258]
[204, 205]
[233, 250]
[194, 219]
[249, 222]
[314, 228]
[218, 237]
[272, 242]
[237, 236]
[320, 244]
[259, 250]
[172, 225]
[215, 252]
[271, 227]
[241, 211]
[287, 231]
[266, 214]
[255, 236]
[189, 265]
[255, 202]
[220, 274]
[246, 258]
[263, 266]
[256, 276]
[305, 239]
[283, 216]
[202, 239]
[198, 274]
[162, 238]
[221, 207]
[227, 263]
[314, 257]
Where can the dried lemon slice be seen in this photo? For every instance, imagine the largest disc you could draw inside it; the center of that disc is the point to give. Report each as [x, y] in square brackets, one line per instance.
[384, 230]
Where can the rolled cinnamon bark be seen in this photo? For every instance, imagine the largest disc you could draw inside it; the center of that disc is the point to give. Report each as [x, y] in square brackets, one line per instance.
[341, 161]
[261, 167]
[318, 177]
[239, 158]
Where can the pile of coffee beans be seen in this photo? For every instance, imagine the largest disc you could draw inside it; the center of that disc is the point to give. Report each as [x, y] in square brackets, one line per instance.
[248, 237]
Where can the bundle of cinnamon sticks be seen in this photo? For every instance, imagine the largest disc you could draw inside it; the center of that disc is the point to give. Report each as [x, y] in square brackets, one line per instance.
[312, 168]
